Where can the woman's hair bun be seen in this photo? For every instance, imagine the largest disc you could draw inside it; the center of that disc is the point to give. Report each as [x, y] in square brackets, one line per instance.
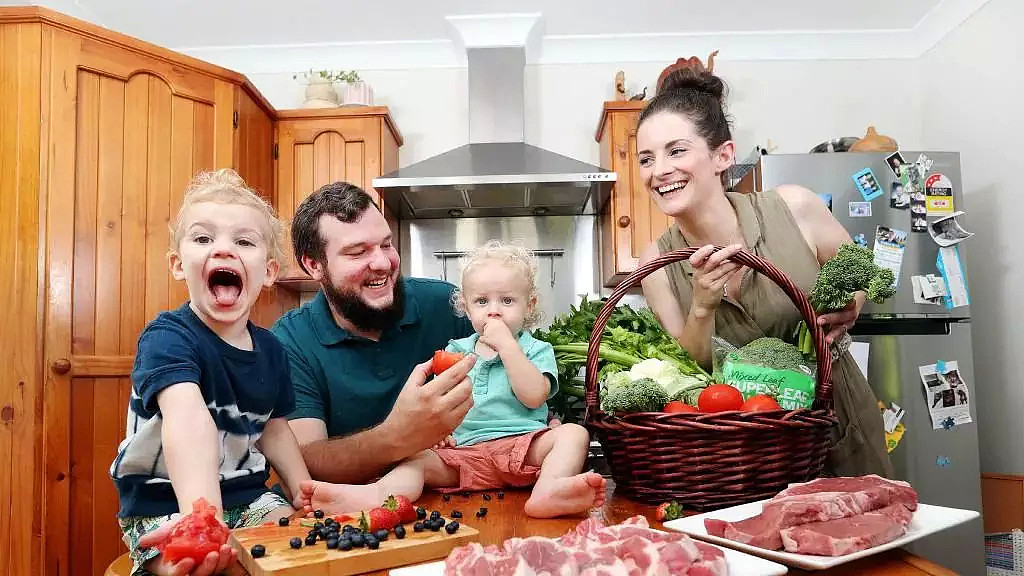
[690, 79]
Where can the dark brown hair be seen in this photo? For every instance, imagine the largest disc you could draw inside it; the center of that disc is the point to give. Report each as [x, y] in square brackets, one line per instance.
[344, 201]
[698, 95]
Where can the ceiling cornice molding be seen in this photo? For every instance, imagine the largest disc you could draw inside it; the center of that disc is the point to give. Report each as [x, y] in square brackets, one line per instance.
[608, 48]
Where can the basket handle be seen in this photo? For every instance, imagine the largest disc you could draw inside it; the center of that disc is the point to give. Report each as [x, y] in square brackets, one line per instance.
[823, 389]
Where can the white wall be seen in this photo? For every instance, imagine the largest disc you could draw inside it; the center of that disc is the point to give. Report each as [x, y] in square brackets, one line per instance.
[795, 103]
[971, 101]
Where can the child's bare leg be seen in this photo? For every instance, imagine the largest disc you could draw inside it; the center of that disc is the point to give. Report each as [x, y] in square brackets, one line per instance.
[560, 488]
[407, 479]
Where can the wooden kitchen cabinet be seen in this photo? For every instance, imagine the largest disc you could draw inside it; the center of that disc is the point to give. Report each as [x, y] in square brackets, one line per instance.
[99, 135]
[320, 146]
[631, 220]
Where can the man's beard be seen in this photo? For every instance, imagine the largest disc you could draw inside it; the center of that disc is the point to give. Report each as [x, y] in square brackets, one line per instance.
[353, 308]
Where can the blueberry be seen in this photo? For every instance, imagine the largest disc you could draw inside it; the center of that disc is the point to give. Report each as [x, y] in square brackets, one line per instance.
[311, 540]
[464, 494]
[435, 526]
[482, 512]
[329, 522]
[446, 497]
[295, 542]
[421, 513]
[456, 514]
[332, 543]
[487, 497]
[501, 495]
[399, 532]
[451, 527]
[372, 544]
[318, 513]
[348, 529]
[344, 544]
[258, 551]
[418, 527]
[357, 539]
[381, 535]
[282, 521]
[435, 515]
[318, 525]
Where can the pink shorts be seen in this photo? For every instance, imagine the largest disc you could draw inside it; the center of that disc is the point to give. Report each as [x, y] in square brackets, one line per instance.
[492, 464]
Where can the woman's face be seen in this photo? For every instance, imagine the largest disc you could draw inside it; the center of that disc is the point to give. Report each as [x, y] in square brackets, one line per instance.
[676, 165]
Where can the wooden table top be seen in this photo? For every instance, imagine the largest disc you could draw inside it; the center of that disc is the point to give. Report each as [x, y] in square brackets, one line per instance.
[505, 519]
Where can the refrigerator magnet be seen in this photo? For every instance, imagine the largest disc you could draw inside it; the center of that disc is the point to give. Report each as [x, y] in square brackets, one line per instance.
[898, 196]
[867, 184]
[947, 231]
[826, 198]
[938, 190]
[895, 161]
[890, 244]
[860, 239]
[951, 268]
[860, 209]
[946, 393]
[943, 461]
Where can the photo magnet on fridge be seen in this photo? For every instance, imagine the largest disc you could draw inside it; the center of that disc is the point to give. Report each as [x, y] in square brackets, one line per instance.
[860, 209]
[898, 196]
[867, 184]
[895, 161]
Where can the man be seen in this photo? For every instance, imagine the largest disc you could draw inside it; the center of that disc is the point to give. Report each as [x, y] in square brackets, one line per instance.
[360, 350]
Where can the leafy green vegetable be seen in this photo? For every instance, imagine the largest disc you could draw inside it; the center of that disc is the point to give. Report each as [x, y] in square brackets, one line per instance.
[771, 353]
[629, 337]
[852, 269]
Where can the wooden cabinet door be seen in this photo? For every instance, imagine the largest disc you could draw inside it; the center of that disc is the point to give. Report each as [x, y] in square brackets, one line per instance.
[314, 152]
[632, 220]
[126, 134]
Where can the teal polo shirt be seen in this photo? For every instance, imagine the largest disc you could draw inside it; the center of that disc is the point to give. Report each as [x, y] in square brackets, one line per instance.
[351, 382]
[497, 411]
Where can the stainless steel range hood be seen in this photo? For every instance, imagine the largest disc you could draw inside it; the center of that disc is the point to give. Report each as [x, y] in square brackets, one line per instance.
[497, 173]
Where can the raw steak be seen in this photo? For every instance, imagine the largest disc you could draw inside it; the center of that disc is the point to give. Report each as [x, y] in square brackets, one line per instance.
[820, 500]
[848, 535]
[630, 548]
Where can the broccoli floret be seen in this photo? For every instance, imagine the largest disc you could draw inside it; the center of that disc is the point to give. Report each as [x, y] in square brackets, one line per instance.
[643, 395]
[770, 353]
[851, 269]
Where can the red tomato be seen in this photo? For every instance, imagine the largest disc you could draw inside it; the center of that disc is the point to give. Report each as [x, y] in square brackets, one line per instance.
[444, 360]
[677, 406]
[760, 403]
[195, 535]
[719, 398]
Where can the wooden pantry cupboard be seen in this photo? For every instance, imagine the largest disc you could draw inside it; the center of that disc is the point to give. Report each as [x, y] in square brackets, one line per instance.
[99, 135]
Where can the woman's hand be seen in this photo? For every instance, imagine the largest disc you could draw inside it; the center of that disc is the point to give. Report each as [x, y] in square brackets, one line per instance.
[840, 321]
[711, 272]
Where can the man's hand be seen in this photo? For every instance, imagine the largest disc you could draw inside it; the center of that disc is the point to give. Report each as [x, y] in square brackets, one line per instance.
[497, 335]
[432, 409]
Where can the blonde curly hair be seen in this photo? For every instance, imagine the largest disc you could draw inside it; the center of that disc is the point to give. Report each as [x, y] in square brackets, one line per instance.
[225, 186]
[508, 254]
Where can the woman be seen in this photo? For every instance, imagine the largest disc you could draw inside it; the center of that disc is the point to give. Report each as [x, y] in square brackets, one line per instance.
[684, 147]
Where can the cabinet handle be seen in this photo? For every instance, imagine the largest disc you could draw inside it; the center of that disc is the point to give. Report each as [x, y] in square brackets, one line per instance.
[61, 366]
[624, 221]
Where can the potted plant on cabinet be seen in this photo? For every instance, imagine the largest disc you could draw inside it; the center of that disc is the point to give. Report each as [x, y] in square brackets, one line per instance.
[321, 92]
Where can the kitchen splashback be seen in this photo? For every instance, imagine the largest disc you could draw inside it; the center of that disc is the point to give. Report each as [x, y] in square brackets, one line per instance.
[568, 263]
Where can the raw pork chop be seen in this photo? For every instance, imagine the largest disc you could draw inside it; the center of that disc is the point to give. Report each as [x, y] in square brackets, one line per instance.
[848, 535]
[903, 492]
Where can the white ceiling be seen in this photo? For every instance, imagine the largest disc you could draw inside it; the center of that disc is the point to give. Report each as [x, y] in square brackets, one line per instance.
[205, 23]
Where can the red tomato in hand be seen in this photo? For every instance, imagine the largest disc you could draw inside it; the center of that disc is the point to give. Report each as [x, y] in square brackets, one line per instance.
[445, 360]
[195, 535]
[677, 406]
[760, 403]
[719, 398]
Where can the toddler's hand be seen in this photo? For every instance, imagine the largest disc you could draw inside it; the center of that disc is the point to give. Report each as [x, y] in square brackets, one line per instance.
[214, 563]
[448, 442]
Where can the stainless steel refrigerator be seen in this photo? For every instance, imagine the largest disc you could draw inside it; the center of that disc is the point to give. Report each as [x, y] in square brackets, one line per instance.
[942, 464]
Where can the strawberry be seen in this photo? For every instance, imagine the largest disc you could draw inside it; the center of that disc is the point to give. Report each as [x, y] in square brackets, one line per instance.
[378, 519]
[669, 511]
[401, 506]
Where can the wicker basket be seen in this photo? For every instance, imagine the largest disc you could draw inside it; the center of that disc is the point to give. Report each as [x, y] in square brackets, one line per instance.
[710, 461]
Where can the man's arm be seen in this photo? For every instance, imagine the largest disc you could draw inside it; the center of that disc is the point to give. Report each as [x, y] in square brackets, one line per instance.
[353, 459]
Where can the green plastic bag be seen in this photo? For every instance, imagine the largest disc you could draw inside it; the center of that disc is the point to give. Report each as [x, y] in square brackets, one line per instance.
[792, 388]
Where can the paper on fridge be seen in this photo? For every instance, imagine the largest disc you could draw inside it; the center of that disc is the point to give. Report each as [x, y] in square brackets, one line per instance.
[951, 268]
[946, 394]
[929, 289]
[947, 231]
[891, 417]
[890, 244]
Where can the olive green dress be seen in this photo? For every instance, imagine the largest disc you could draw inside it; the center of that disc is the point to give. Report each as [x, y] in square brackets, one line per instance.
[763, 309]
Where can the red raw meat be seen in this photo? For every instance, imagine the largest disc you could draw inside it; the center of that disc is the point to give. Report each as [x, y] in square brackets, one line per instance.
[848, 535]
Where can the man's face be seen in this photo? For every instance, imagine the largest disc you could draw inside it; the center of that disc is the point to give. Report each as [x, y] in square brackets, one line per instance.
[361, 275]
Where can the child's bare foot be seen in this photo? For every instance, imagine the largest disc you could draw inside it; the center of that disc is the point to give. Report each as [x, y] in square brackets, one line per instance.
[339, 498]
[563, 496]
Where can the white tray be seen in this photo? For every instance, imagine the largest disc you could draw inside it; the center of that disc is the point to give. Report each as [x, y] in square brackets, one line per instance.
[927, 520]
[740, 564]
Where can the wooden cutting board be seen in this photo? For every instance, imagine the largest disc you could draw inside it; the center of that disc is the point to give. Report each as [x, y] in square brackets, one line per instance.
[318, 560]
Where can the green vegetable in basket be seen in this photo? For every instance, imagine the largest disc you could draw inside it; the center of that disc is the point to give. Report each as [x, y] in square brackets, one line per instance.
[643, 395]
[771, 353]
